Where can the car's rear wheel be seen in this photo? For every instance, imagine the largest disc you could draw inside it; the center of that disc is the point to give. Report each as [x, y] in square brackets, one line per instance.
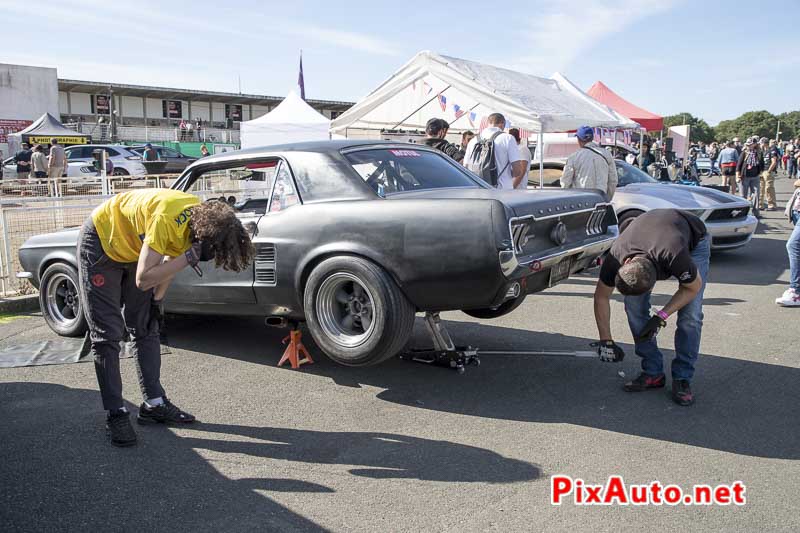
[496, 312]
[60, 302]
[120, 172]
[356, 312]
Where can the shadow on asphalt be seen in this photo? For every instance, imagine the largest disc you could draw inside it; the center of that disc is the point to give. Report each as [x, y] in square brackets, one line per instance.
[58, 472]
[743, 407]
[59, 458]
[383, 455]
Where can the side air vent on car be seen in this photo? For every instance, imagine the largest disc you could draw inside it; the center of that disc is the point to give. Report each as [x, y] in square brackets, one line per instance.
[265, 264]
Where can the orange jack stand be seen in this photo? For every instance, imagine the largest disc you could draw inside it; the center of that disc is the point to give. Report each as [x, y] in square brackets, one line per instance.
[294, 350]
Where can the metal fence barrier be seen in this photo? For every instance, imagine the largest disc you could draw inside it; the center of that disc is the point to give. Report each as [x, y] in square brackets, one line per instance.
[30, 207]
[26, 217]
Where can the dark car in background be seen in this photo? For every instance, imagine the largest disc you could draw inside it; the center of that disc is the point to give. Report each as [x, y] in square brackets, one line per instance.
[176, 161]
[355, 237]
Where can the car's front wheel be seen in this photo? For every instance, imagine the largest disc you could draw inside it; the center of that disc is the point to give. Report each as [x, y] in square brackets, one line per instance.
[631, 213]
[60, 301]
[356, 312]
[120, 172]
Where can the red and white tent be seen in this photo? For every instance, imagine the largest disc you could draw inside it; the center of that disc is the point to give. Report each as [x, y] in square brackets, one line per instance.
[647, 120]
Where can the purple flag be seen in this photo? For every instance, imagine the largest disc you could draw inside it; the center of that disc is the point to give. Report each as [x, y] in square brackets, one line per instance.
[300, 81]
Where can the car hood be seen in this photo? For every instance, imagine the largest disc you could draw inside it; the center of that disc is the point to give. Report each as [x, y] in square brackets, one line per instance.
[521, 202]
[665, 195]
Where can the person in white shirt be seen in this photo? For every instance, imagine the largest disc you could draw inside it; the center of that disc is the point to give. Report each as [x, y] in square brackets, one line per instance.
[591, 167]
[525, 152]
[510, 164]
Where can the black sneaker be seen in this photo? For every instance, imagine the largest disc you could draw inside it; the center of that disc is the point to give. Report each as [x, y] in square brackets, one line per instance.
[645, 382]
[166, 413]
[682, 392]
[119, 429]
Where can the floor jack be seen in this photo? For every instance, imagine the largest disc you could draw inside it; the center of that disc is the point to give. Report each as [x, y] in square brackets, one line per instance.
[446, 354]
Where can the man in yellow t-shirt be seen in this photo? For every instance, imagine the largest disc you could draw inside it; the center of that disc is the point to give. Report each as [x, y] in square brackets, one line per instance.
[128, 252]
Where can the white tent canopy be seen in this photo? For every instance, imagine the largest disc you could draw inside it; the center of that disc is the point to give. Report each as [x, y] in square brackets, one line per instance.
[464, 92]
[293, 120]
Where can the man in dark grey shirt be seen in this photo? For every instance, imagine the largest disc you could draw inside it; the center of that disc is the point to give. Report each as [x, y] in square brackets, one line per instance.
[657, 245]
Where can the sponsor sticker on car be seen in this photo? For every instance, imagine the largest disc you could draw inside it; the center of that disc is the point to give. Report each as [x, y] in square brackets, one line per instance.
[405, 153]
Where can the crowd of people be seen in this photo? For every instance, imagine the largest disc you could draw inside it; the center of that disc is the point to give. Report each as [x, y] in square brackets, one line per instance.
[35, 162]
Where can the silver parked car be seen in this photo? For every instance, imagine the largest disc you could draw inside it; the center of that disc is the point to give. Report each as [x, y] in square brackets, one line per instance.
[727, 217]
[126, 161]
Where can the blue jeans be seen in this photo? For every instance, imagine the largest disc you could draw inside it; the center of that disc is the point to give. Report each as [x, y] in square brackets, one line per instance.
[793, 248]
[690, 325]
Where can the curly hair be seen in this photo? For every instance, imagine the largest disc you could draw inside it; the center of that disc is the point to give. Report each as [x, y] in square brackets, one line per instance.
[215, 222]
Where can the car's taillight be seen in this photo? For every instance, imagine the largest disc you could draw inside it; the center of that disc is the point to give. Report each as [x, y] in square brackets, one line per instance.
[520, 234]
[134, 157]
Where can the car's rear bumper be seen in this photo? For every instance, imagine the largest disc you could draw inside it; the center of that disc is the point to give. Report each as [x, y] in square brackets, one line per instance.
[531, 274]
[731, 234]
[515, 267]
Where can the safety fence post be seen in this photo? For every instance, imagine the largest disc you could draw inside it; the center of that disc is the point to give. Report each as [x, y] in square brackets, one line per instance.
[6, 264]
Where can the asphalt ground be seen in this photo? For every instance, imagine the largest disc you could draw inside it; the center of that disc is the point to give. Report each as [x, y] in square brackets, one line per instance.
[406, 447]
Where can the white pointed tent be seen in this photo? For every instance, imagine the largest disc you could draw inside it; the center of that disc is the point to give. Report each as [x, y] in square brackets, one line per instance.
[463, 92]
[293, 120]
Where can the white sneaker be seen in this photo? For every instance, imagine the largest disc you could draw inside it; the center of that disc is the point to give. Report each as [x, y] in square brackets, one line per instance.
[790, 298]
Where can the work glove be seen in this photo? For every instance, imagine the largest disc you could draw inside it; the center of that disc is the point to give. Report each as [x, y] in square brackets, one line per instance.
[609, 351]
[650, 329]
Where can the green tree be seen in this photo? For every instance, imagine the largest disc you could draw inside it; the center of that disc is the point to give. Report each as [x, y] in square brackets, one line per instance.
[760, 123]
[700, 130]
[790, 124]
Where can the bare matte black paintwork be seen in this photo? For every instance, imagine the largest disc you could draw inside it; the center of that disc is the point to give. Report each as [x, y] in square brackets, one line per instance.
[440, 246]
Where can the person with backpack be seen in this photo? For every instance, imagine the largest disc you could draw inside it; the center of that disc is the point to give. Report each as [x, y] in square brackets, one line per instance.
[494, 156]
[436, 129]
[591, 167]
[748, 173]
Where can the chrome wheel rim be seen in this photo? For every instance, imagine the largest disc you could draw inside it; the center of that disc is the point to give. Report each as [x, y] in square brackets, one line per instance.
[345, 310]
[63, 303]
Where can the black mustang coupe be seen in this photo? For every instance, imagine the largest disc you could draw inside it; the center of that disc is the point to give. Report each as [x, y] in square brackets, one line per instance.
[354, 238]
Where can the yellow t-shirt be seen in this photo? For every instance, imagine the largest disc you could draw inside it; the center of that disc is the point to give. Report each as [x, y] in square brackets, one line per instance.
[158, 217]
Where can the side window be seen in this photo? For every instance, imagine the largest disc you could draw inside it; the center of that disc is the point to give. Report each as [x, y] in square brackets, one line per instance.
[285, 194]
[75, 153]
[168, 152]
[245, 182]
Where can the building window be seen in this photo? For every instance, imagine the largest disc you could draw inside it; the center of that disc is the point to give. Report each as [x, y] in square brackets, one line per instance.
[172, 108]
[101, 104]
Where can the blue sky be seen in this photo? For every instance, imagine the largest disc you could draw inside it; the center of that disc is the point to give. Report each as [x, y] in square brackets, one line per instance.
[714, 59]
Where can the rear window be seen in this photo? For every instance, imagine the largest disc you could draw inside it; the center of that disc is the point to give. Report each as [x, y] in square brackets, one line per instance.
[393, 170]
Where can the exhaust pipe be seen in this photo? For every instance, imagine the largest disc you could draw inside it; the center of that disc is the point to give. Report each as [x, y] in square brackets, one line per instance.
[276, 321]
[513, 291]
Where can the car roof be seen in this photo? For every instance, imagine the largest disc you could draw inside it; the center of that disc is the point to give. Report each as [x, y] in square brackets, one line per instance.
[116, 146]
[315, 146]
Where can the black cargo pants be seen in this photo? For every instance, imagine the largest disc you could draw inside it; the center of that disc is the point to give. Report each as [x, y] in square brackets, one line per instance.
[112, 302]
